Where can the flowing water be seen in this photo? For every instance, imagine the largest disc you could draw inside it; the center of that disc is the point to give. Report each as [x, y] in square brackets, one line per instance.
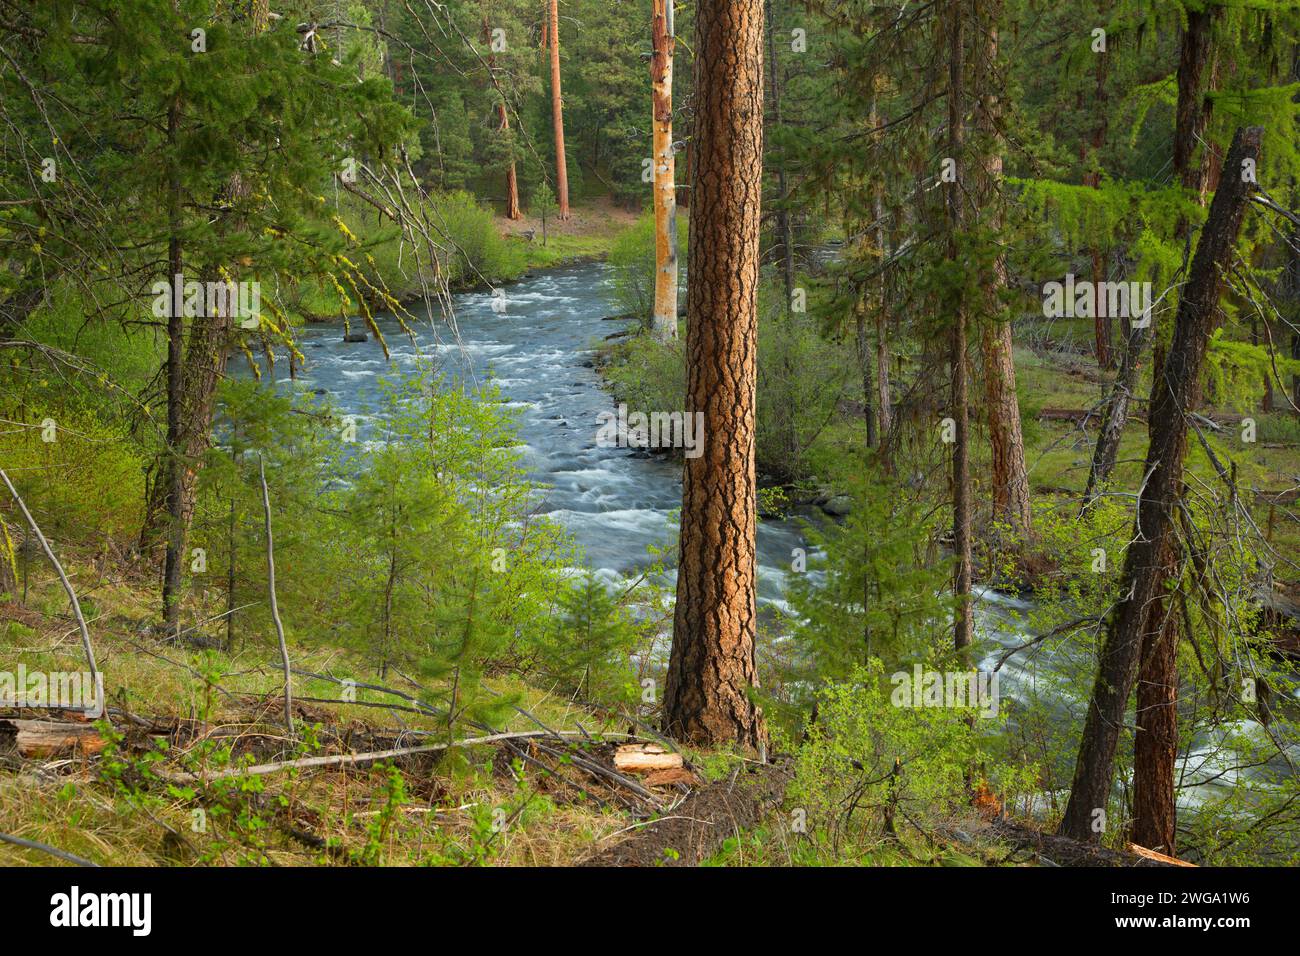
[617, 502]
[539, 351]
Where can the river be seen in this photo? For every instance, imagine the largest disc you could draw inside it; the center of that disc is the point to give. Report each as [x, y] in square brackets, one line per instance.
[616, 502]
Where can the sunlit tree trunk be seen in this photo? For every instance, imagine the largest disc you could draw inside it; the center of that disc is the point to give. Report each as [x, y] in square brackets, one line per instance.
[557, 115]
[712, 668]
[664, 321]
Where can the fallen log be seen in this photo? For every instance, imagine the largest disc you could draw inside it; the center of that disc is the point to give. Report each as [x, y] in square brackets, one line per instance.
[1056, 850]
[698, 827]
[46, 738]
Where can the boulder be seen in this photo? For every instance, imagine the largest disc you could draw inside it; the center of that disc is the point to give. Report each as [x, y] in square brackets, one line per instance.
[838, 506]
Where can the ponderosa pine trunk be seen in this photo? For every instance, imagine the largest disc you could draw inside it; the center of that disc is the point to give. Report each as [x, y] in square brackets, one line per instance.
[557, 115]
[664, 321]
[711, 668]
[1146, 563]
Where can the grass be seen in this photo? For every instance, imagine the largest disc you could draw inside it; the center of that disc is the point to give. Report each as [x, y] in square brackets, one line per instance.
[446, 811]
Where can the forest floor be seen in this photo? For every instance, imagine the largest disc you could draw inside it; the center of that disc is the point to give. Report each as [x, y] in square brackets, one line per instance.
[186, 768]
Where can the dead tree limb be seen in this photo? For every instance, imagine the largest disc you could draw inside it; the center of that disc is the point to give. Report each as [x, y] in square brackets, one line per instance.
[46, 848]
[67, 585]
[275, 608]
[350, 760]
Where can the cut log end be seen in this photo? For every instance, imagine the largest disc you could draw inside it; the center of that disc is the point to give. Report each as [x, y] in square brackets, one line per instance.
[645, 758]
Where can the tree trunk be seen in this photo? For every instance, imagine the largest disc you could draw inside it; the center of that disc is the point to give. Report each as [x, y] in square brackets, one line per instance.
[192, 379]
[1102, 323]
[1155, 739]
[963, 629]
[1192, 113]
[712, 663]
[865, 360]
[1146, 562]
[884, 401]
[503, 127]
[1155, 745]
[783, 190]
[512, 179]
[557, 116]
[1010, 474]
[664, 322]
[170, 482]
[1106, 451]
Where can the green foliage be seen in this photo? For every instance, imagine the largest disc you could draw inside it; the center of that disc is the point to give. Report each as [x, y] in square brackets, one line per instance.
[872, 589]
[869, 770]
[801, 376]
[480, 254]
[587, 651]
[633, 258]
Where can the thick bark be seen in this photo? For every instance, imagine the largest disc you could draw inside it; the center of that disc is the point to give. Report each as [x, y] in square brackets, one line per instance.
[512, 179]
[963, 625]
[1146, 564]
[712, 665]
[557, 115]
[664, 322]
[1006, 438]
